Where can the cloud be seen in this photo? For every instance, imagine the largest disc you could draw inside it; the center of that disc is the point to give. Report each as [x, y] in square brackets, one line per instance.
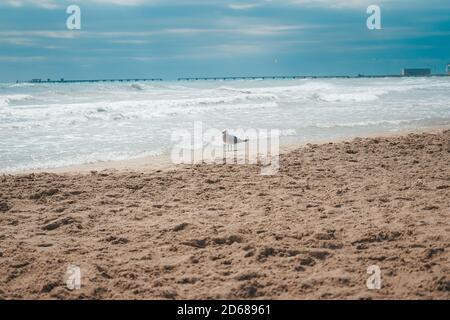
[41, 33]
[243, 6]
[46, 4]
[143, 59]
[240, 29]
[124, 2]
[17, 41]
[22, 59]
[53, 4]
[235, 49]
[232, 4]
[334, 3]
[130, 41]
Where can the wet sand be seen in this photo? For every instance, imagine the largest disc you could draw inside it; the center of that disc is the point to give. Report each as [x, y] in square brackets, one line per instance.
[227, 232]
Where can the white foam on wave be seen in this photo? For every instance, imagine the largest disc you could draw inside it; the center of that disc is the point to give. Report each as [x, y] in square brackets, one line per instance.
[121, 110]
[75, 160]
[366, 123]
[8, 100]
[22, 84]
[348, 97]
[328, 91]
[318, 91]
[137, 86]
[234, 90]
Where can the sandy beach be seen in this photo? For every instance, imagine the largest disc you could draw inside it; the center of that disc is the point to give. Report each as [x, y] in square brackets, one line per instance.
[227, 232]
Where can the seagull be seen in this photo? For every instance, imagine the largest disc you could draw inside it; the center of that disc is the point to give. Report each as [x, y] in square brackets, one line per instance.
[230, 140]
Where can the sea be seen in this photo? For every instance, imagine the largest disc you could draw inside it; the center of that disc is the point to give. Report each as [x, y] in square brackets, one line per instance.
[53, 125]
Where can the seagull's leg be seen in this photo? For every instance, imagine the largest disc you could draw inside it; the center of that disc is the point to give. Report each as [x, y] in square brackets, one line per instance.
[224, 155]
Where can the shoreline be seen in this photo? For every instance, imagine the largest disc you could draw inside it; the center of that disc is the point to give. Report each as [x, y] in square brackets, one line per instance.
[163, 161]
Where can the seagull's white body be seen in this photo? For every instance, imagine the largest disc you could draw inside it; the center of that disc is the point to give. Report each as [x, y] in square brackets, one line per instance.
[229, 139]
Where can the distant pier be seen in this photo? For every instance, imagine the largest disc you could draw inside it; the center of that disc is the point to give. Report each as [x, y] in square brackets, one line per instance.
[281, 77]
[93, 80]
[305, 77]
[238, 78]
[256, 78]
[43, 81]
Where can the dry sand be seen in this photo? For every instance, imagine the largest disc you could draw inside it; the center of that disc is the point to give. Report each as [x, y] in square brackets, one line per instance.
[224, 231]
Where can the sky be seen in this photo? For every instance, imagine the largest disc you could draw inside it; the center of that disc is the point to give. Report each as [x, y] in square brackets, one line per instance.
[205, 38]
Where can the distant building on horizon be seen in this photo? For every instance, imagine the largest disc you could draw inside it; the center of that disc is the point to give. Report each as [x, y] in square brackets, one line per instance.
[416, 72]
[448, 69]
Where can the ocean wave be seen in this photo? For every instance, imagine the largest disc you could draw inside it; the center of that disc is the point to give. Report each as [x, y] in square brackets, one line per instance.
[13, 99]
[76, 113]
[366, 123]
[343, 90]
[137, 86]
[235, 90]
[76, 160]
[316, 91]
[347, 97]
[22, 84]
